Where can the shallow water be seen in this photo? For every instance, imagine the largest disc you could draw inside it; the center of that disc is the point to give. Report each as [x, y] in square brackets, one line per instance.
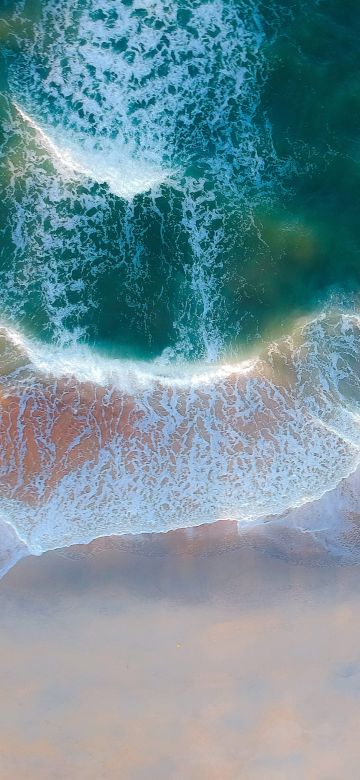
[179, 194]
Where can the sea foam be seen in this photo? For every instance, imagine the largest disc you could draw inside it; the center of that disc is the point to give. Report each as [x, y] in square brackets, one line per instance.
[124, 175]
[135, 152]
[138, 145]
[126, 449]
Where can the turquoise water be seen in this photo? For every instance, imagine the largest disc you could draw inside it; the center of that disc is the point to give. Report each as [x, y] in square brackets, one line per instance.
[239, 123]
[179, 192]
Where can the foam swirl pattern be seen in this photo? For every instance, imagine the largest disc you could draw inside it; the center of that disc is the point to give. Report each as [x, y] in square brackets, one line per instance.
[135, 149]
[137, 451]
[166, 210]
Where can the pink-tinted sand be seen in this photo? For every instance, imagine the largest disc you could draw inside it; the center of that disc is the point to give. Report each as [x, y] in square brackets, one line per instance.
[185, 656]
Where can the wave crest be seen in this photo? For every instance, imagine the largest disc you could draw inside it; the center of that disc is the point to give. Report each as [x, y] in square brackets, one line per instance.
[133, 450]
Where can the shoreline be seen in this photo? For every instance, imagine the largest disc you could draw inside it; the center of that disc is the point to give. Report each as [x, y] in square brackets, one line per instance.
[325, 531]
[273, 539]
[192, 656]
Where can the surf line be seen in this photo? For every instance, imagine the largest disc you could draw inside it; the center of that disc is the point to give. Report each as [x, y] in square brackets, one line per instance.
[124, 174]
[61, 154]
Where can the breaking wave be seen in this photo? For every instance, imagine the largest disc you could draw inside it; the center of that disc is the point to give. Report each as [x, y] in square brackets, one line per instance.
[135, 148]
[134, 155]
[125, 177]
[92, 447]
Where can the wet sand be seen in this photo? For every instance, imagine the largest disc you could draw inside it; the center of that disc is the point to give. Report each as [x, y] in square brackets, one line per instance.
[204, 656]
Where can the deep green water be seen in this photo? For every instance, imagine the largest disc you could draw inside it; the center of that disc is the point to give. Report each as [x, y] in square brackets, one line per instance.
[180, 180]
[254, 108]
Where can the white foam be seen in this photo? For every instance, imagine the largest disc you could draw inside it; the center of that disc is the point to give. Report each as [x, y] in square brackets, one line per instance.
[125, 176]
[238, 442]
[87, 365]
[12, 548]
[135, 97]
[131, 97]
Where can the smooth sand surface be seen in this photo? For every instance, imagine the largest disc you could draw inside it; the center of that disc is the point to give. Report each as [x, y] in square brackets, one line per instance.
[201, 656]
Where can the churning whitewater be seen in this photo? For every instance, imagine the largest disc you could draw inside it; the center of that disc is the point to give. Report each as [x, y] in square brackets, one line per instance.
[134, 153]
[118, 449]
[151, 238]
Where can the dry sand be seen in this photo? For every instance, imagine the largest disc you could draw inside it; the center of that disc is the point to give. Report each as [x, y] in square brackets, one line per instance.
[203, 656]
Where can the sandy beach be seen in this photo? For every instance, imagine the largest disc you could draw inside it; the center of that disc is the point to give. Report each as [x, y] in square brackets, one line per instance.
[179, 390]
[182, 656]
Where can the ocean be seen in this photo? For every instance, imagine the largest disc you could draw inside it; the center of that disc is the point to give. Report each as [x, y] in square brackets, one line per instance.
[179, 268]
